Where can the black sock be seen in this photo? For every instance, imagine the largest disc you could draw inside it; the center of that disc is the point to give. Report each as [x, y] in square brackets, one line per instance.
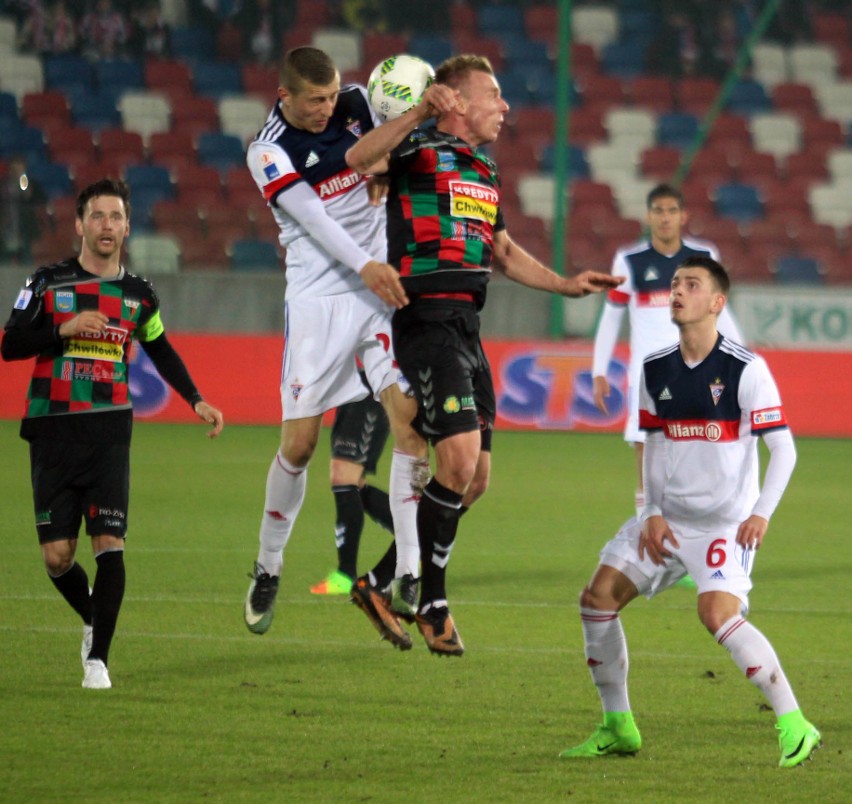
[348, 527]
[107, 594]
[437, 521]
[385, 570]
[73, 585]
[377, 506]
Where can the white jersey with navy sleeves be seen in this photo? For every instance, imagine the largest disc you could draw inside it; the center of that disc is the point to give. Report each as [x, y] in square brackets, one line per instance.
[286, 161]
[710, 416]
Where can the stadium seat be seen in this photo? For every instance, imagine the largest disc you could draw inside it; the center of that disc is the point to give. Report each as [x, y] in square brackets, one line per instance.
[53, 178]
[810, 164]
[24, 140]
[651, 92]
[117, 76]
[145, 113]
[541, 22]
[631, 198]
[116, 144]
[769, 64]
[777, 133]
[375, 48]
[95, 112]
[220, 150]
[217, 79]
[839, 163]
[73, 146]
[748, 97]
[9, 105]
[68, 73]
[578, 165]
[260, 80]
[794, 98]
[167, 75]
[660, 162]
[434, 48]
[793, 270]
[613, 162]
[603, 91]
[36, 106]
[164, 145]
[812, 64]
[741, 202]
[254, 255]
[145, 177]
[595, 25]
[8, 34]
[195, 116]
[153, 254]
[499, 20]
[677, 129]
[624, 58]
[822, 133]
[637, 126]
[242, 117]
[696, 95]
[831, 203]
[21, 74]
[835, 100]
[192, 43]
[342, 45]
[535, 191]
[199, 254]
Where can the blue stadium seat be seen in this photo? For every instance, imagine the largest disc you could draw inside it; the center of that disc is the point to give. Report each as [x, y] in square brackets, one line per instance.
[192, 43]
[94, 111]
[677, 129]
[748, 97]
[578, 166]
[496, 20]
[516, 88]
[798, 270]
[68, 74]
[24, 140]
[742, 202]
[254, 255]
[119, 75]
[221, 151]
[625, 58]
[53, 178]
[431, 47]
[216, 79]
[8, 106]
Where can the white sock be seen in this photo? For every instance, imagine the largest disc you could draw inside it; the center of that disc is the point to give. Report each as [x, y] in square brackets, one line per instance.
[285, 492]
[753, 654]
[606, 657]
[408, 476]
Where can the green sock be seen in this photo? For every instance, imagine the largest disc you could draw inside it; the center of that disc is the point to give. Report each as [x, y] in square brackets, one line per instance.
[620, 722]
[792, 721]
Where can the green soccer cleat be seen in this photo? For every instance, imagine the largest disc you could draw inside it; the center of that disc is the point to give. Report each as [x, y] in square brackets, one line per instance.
[403, 592]
[797, 745]
[607, 742]
[336, 583]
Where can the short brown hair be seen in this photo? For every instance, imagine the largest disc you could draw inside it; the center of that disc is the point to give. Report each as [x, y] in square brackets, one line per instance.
[114, 187]
[664, 191]
[454, 70]
[306, 65]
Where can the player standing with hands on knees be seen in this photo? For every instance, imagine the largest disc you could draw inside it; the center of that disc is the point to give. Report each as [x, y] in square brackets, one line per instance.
[78, 318]
[338, 303]
[703, 403]
[445, 234]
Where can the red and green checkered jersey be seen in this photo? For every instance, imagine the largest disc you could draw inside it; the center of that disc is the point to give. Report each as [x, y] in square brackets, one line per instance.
[443, 209]
[86, 373]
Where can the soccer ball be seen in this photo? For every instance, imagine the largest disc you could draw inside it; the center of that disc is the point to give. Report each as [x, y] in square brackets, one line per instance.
[397, 84]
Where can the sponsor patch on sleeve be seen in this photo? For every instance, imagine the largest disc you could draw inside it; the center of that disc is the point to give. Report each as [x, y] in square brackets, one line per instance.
[270, 169]
[768, 417]
[23, 299]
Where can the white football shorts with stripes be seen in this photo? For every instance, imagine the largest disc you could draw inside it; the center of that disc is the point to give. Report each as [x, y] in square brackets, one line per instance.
[323, 336]
[712, 558]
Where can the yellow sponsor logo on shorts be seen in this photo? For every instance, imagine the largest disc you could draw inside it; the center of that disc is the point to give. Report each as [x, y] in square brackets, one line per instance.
[469, 200]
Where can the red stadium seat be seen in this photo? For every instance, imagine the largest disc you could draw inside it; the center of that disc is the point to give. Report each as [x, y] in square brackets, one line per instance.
[115, 144]
[696, 95]
[796, 98]
[651, 92]
[660, 162]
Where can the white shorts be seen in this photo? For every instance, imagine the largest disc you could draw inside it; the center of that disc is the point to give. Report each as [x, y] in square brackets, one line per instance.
[714, 561]
[323, 336]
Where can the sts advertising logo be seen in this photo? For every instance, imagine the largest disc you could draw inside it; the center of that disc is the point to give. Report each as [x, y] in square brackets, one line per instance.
[543, 389]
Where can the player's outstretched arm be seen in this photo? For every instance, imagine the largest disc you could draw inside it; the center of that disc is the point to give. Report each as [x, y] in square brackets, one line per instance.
[521, 267]
[370, 154]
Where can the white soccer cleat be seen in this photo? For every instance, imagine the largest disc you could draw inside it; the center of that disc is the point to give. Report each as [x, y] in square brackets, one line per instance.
[96, 675]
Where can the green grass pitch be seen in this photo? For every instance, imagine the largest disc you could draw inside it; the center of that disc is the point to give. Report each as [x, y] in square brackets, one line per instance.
[319, 709]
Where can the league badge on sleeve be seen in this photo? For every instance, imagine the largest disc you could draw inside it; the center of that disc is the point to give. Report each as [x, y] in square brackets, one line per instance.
[23, 299]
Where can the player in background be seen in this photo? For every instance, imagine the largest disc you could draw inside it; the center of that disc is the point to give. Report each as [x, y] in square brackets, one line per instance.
[77, 318]
[445, 233]
[649, 266]
[704, 401]
[358, 437]
[338, 303]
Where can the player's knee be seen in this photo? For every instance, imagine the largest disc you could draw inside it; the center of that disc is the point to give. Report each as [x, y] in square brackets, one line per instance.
[57, 562]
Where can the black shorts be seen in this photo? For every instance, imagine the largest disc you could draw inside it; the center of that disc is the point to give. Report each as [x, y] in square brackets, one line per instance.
[72, 482]
[437, 346]
[360, 432]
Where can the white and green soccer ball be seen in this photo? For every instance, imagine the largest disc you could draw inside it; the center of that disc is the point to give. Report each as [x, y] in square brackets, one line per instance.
[397, 84]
